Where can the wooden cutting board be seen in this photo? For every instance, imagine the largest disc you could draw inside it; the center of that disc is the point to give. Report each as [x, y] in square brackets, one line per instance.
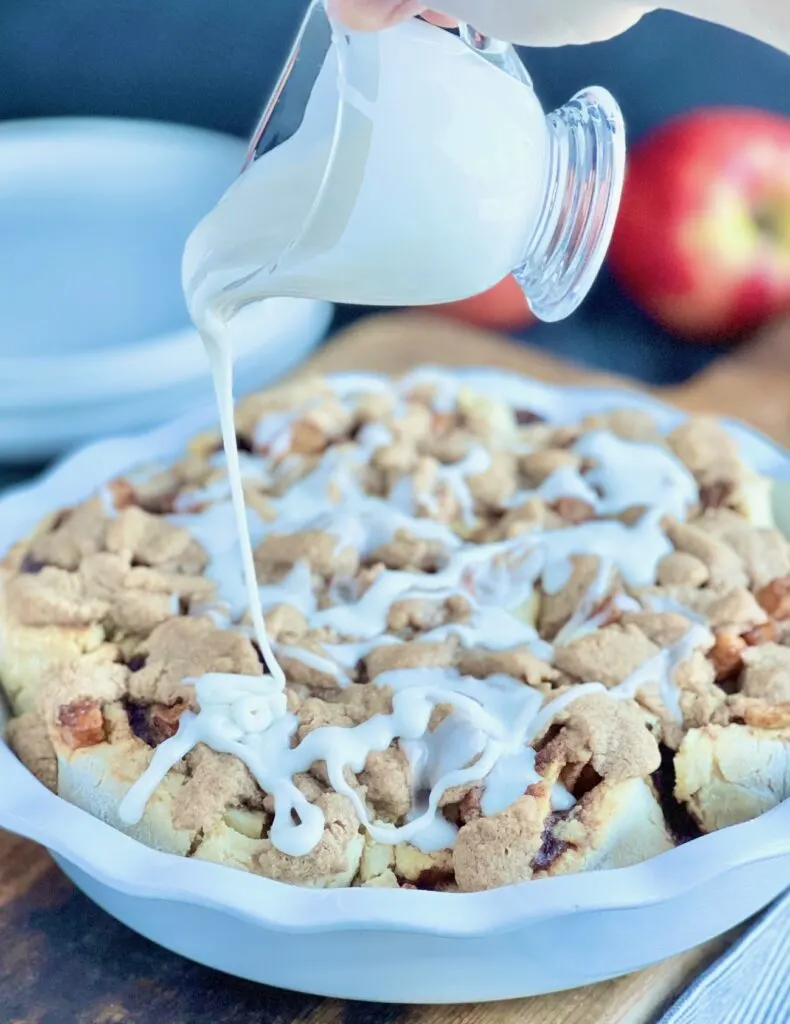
[63, 961]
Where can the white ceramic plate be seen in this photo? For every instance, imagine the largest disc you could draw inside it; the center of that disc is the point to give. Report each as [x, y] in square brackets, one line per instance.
[404, 946]
[95, 336]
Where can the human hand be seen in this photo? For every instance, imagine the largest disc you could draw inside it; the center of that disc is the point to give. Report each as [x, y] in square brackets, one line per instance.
[535, 22]
[558, 22]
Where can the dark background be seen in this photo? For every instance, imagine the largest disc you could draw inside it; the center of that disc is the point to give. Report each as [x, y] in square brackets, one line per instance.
[210, 63]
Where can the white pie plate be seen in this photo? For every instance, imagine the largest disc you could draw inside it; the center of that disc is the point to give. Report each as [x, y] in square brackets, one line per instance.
[403, 946]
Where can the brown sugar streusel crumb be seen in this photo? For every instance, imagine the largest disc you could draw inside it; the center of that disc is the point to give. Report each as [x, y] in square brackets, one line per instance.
[113, 609]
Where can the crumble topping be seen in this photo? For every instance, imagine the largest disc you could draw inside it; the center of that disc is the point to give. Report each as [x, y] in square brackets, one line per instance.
[609, 655]
[595, 739]
[29, 738]
[184, 649]
[497, 632]
[766, 673]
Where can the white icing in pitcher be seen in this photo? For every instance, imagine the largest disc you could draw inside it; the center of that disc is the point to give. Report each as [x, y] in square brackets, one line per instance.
[271, 235]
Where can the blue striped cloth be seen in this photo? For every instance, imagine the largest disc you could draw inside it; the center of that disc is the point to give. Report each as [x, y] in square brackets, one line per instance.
[750, 984]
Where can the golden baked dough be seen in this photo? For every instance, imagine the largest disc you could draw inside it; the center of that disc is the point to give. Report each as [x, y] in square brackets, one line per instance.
[361, 499]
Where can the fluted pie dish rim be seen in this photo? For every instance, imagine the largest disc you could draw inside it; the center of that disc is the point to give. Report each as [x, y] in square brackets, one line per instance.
[125, 865]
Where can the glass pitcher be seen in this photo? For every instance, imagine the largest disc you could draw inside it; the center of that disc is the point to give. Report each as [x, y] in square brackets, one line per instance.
[410, 167]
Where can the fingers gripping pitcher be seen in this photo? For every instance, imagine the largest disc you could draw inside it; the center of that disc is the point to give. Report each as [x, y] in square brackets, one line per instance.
[410, 167]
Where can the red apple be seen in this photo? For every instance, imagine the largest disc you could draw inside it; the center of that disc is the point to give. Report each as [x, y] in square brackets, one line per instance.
[702, 243]
[501, 308]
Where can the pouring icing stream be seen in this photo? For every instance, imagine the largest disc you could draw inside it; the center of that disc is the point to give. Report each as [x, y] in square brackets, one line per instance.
[254, 245]
[487, 738]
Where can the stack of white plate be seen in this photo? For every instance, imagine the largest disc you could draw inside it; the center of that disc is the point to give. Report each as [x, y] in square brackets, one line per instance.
[94, 334]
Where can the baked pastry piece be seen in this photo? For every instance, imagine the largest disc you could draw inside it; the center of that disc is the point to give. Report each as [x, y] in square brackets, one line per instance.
[513, 648]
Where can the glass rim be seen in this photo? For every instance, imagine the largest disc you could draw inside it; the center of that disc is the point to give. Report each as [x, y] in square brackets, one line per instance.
[319, 40]
[284, 102]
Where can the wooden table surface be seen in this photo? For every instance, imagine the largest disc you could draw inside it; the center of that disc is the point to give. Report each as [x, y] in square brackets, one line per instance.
[64, 961]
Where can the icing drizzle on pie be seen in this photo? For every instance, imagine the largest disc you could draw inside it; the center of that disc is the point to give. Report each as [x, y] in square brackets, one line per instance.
[487, 737]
